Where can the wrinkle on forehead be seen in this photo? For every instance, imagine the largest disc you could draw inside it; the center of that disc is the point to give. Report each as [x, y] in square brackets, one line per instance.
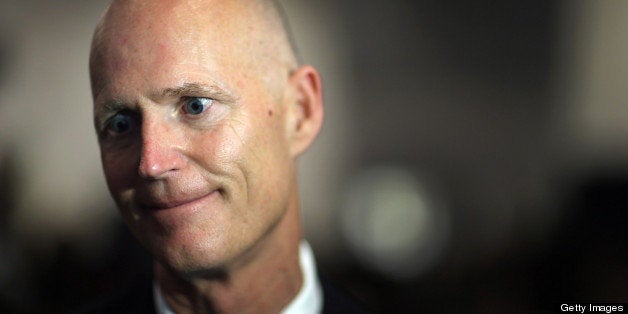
[250, 29]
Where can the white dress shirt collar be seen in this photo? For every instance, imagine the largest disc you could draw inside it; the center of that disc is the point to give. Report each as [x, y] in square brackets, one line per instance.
[309, 300]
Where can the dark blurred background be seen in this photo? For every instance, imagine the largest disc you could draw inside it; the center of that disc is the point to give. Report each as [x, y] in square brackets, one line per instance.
[473, 158]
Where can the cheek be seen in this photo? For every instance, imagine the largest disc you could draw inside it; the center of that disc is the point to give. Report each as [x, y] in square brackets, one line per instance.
[267, 152]
[119, 169]
[218, 149]
[250, 143]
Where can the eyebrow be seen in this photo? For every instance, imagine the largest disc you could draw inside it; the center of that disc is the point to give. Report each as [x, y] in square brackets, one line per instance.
[197, 89]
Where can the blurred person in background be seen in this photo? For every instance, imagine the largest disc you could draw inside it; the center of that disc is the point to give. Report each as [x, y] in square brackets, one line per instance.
[201, 110]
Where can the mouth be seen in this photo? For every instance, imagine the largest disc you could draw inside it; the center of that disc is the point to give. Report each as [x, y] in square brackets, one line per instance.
[175, 203]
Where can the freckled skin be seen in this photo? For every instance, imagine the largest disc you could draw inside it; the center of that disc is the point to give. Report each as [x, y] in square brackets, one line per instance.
[227, 155]
[236, 162]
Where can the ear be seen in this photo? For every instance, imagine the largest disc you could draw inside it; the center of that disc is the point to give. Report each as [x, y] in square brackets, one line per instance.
[305, 109]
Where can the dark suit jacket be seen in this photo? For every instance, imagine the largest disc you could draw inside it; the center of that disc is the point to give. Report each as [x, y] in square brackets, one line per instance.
[138, 299]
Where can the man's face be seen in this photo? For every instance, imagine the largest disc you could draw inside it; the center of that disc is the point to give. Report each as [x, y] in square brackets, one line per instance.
[192, 137]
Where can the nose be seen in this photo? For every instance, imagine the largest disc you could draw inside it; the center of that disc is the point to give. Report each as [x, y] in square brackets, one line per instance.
[160, 153]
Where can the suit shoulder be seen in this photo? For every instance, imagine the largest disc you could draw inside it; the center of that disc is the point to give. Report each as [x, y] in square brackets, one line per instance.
[337, 300]
[136, 298]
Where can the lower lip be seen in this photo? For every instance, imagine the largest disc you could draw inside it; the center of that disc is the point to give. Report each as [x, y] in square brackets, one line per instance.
[182, 216]
[189, 206]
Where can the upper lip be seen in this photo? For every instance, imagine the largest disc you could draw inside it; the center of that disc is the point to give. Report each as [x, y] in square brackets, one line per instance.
[169, 202]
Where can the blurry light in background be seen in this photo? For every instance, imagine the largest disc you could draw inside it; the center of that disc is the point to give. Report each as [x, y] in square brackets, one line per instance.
[392, 224]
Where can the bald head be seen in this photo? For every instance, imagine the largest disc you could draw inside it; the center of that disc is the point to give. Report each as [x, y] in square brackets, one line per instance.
[201, 111]
[252, 34]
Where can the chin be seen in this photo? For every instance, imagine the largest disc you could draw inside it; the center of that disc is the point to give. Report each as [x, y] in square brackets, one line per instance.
[191, 258]
[183, 246]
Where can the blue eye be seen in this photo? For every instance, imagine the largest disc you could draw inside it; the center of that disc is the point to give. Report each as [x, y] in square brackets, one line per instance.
[197, 105]
[121, 123]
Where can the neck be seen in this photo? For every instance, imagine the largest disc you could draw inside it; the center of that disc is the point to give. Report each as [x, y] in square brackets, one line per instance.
[264, 280]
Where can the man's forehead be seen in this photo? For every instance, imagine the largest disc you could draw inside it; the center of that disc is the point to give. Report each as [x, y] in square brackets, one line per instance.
[170, 14]
[229, 37]
[145, 34]
[224, 27]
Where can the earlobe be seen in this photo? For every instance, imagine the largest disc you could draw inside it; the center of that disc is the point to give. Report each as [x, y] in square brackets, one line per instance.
[306, 112]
